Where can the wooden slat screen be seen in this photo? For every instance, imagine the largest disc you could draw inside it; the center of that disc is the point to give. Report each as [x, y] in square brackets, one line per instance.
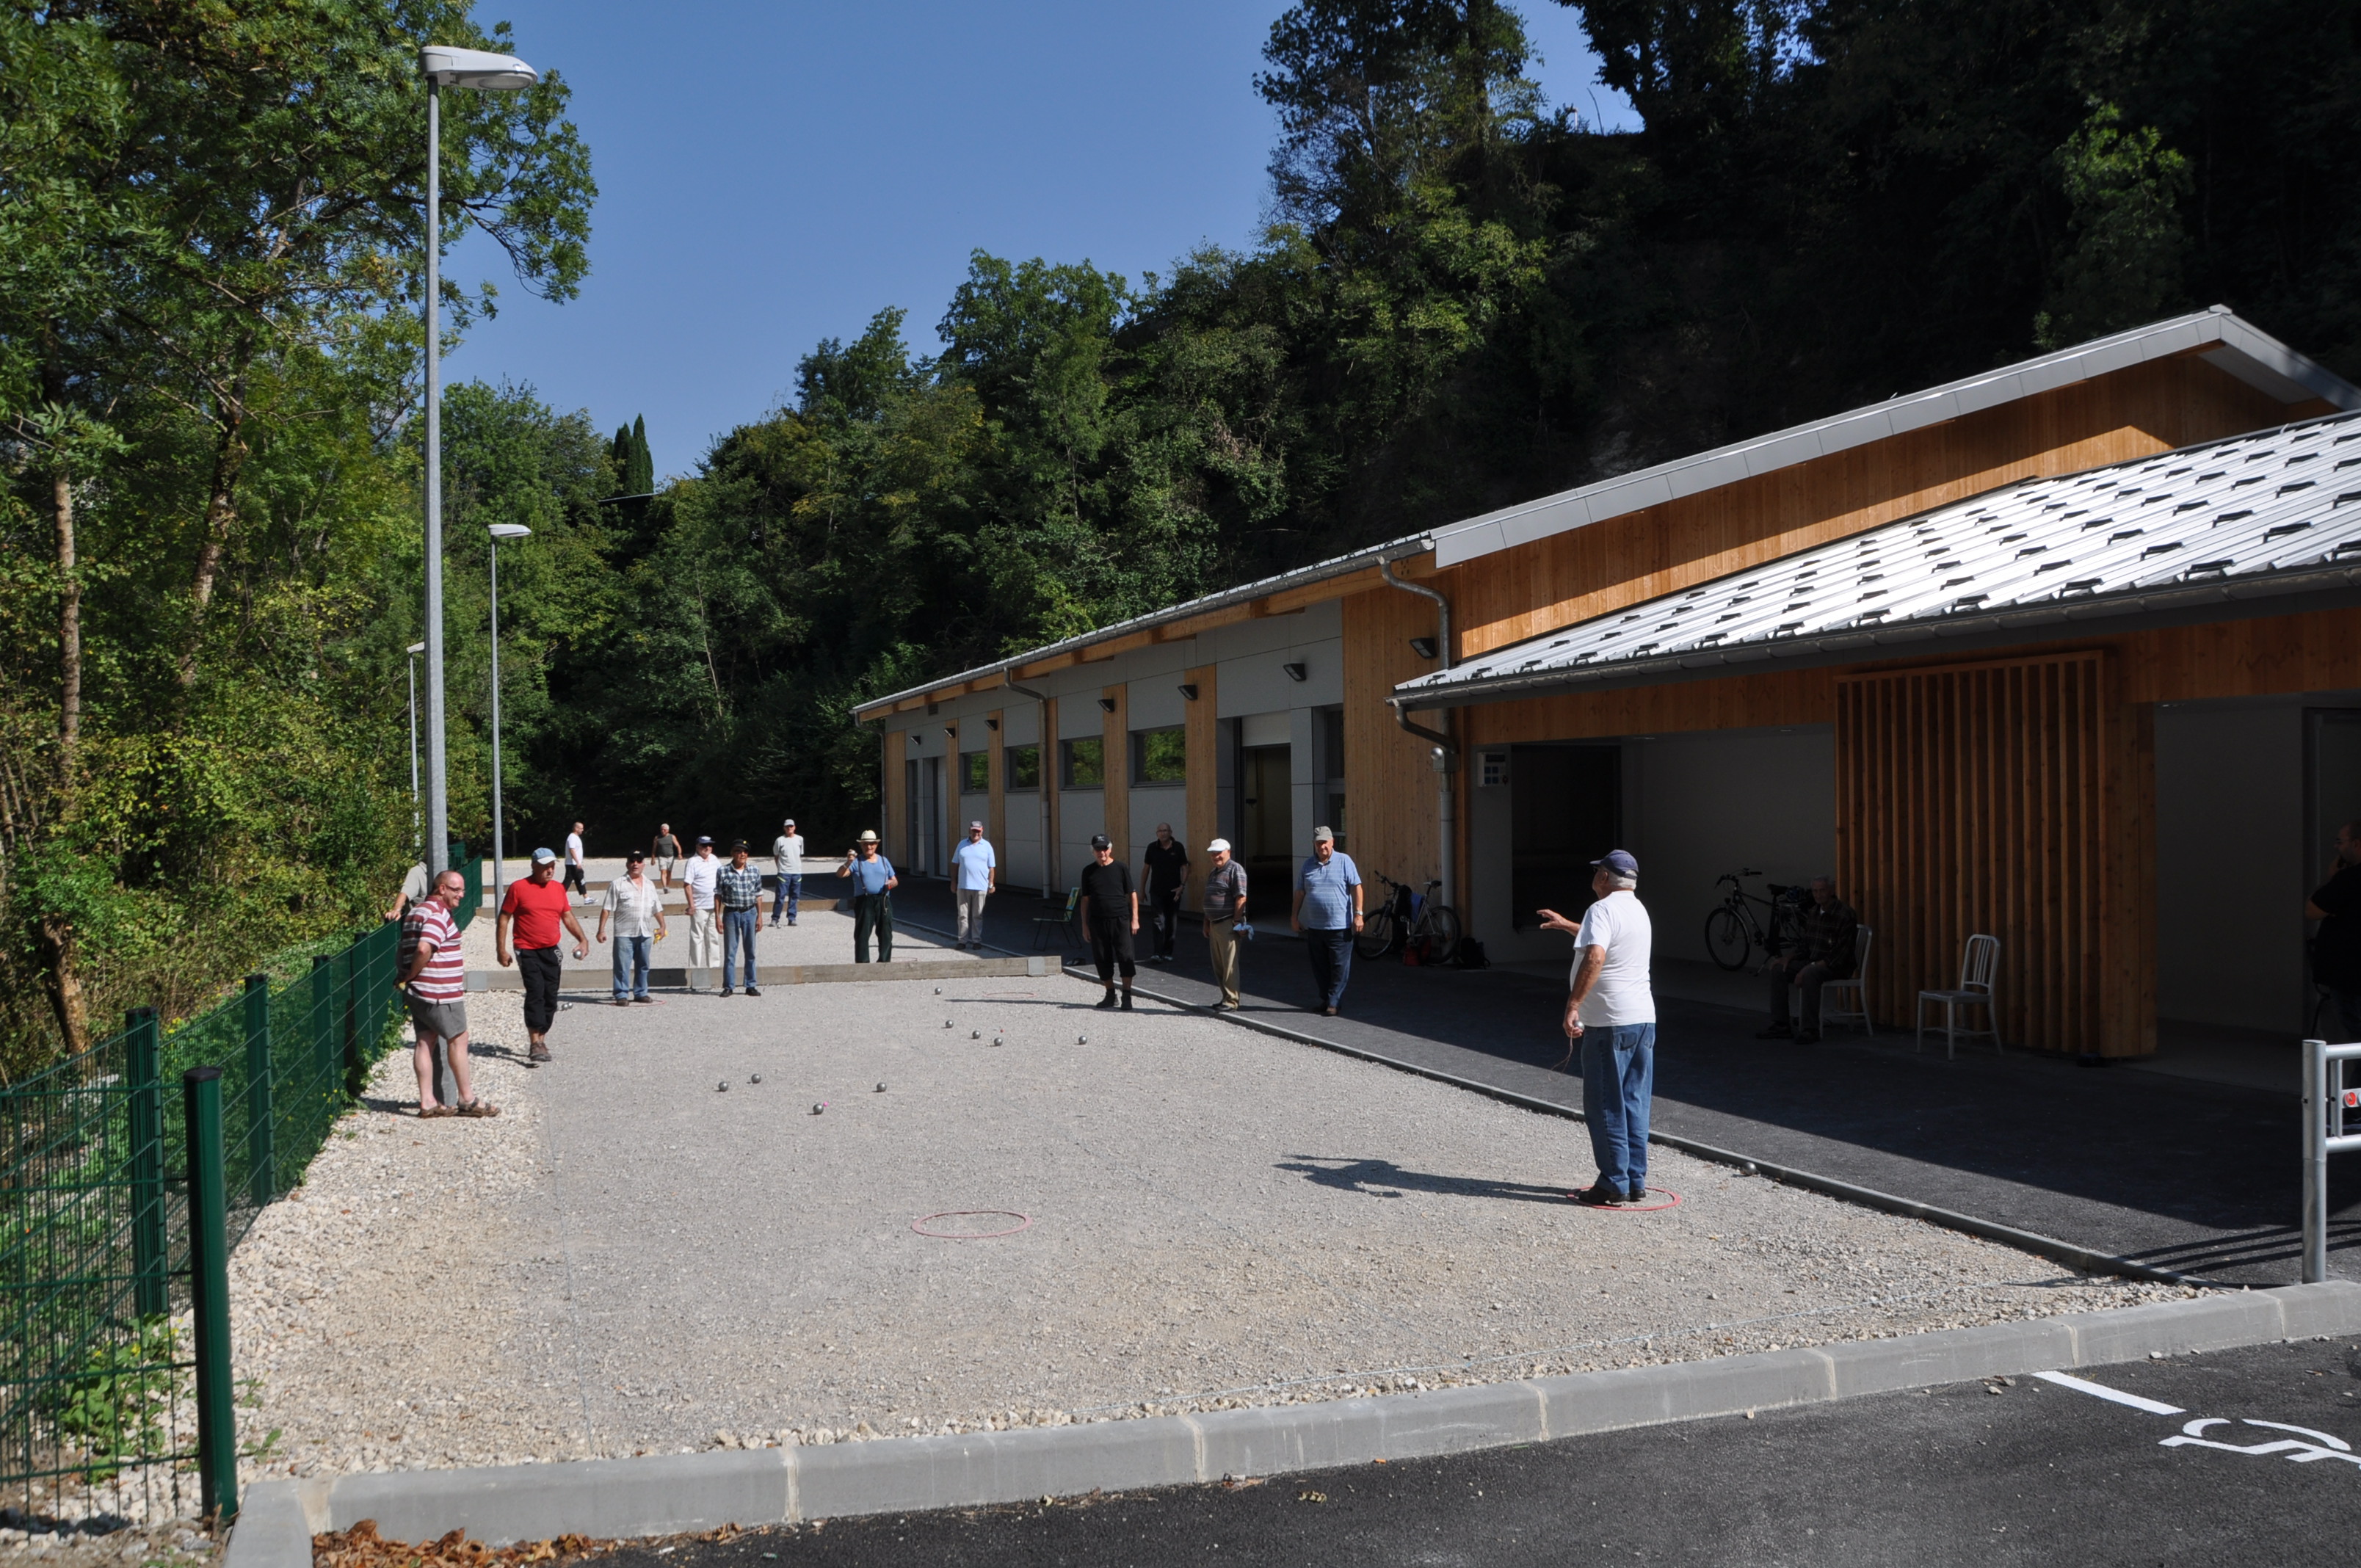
[2006, 797]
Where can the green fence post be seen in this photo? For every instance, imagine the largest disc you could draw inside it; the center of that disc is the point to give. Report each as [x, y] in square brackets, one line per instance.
[324, 1035]
[150, 1246]
[209, 1290]
[259, 1150]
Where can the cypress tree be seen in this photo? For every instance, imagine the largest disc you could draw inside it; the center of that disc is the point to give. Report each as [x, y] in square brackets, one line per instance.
[643, 461]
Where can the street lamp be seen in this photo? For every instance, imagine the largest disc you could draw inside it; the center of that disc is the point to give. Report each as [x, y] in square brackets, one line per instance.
[484, 73]
[499, 531]
[415, 650]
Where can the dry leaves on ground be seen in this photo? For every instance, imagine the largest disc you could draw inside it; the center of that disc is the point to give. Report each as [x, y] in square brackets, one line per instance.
[362, 1547]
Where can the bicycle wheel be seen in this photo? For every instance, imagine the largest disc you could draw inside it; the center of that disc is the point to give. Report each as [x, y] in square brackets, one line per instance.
[1442, 925]
[1377, 938]
[1726, 939]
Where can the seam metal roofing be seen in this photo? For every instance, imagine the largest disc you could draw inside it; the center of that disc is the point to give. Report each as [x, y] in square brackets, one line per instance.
[2252, 517]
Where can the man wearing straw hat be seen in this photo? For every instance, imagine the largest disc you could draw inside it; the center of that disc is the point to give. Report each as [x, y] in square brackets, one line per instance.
[873, 882]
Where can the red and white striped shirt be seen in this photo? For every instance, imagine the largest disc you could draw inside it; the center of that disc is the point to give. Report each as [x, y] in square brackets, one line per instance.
[445, 978]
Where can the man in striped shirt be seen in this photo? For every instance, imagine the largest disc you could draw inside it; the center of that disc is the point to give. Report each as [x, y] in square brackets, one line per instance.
[436, 975]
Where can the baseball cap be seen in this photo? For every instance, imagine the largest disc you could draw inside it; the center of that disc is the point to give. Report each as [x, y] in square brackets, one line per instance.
[1101, 841]
[636, 856]
[976, 827]
[737, 845]
[704, 838]
[1618, 861]
[541, 857]
[1217, 844]
[790, 822]
[1327, 833]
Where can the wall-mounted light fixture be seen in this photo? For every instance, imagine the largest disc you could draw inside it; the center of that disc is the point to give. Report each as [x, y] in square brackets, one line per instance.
[1423, 646]
[1106, 705]
[1188, 691]
[992, 724]
[950, 732]
[1294, 672]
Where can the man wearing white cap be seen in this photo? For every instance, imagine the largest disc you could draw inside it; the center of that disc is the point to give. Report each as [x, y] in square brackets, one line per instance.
[788, 859]
[700, 875]
[531, 914]
[873, 882]
[1225, 909]
[975, 876]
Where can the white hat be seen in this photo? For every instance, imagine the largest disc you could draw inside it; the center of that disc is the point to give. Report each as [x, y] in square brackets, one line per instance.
[976, 827]
[1219, 846]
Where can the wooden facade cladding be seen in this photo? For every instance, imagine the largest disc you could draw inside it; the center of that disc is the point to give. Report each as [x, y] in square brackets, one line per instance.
[1390, 785]
[2002, 798]
[1572, 576]
[1201, 720]
[1115, 749]
[898, 816]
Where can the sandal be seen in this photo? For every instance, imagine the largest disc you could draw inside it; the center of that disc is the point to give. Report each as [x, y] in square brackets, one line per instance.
[477, 1108]
[428, 1114]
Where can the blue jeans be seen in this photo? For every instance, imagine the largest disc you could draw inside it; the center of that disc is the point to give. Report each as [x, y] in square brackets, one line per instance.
[738, 927]
[1618, 1074]
[790, 894]
[1332, 962]
[630, 967]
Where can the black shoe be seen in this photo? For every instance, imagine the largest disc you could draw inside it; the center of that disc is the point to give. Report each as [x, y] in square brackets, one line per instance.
[1808, 1037]
[1775, 1032]
[1598, 1195]
[752, 991]
[1126, 1001]
[727, 992]
[1106, 1001]
[1327, 1012]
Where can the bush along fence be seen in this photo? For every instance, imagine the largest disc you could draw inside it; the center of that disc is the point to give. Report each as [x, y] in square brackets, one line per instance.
[120, 1204]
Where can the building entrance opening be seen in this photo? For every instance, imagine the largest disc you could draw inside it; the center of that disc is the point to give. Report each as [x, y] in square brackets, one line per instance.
[1565, 804]
[924, 776]
[2331, 798]
[1266, 825]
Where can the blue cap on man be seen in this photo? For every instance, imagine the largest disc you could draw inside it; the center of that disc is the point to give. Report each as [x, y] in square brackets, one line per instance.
[1619, 863]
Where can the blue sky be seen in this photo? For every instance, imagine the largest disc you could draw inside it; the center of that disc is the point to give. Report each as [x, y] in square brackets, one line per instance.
[770, 175]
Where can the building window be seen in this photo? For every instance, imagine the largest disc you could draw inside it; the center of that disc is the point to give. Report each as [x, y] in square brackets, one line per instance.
[975, 771]
[1081, 765]
[1024, 766]
[1159, 756]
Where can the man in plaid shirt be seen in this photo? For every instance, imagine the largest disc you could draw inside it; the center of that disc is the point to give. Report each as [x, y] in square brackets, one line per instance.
[738, 889]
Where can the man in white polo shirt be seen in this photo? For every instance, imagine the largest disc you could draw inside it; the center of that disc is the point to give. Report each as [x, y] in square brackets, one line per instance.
[1611, 1011]
[699, 875]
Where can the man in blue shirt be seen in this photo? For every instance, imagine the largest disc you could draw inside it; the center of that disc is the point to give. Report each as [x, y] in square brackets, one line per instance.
[975, 876]
[873, 882]
[1328, 912]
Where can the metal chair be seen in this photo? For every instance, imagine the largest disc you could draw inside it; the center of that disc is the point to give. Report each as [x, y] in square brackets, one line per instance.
[1048, 930]
[1856, 985]
[1975, 988]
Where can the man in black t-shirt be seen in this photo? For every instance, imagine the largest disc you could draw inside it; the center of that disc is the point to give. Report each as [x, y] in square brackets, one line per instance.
[1110, 912]
[2336, 951]
[1167, 867]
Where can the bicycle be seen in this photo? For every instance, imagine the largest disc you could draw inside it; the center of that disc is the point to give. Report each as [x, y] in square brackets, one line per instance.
[1411, 921]
[1732, 931]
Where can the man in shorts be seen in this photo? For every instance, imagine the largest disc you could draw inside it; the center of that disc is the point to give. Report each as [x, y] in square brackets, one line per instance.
[666, 855]
[531, 914]
[436, 974]
[576, 880]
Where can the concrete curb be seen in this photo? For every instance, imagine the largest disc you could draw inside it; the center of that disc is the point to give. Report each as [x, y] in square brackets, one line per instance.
[674, 1493]
[2087, 1259]
[586, 976]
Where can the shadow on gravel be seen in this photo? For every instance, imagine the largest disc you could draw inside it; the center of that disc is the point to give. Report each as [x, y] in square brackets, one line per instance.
[1384, 1178]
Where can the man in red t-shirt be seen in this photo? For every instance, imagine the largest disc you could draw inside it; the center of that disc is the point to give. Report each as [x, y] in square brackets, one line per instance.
[536, 908]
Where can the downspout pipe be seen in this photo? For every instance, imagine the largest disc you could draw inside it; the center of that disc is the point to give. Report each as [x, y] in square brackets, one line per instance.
[1047, 748]
[1447, 749]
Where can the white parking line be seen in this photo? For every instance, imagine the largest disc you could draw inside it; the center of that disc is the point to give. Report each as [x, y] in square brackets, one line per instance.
[2101, 1391]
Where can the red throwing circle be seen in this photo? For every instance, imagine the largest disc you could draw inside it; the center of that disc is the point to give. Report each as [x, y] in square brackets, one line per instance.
[1023, 1222]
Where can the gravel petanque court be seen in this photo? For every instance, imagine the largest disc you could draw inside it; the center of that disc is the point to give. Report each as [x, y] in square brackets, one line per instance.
[630, 1260]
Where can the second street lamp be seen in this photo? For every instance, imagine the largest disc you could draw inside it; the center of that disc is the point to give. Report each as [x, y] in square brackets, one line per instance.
[499, 531]
[484, 73]
[415, 827]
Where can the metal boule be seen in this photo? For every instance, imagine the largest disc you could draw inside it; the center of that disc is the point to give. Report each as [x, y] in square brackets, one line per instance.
[975, 1034]
[754, 1077]
[880, 1089]
[820, 1107]
[723, 1086]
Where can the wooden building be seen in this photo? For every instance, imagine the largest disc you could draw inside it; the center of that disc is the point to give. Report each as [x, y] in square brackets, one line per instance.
[2028, 763]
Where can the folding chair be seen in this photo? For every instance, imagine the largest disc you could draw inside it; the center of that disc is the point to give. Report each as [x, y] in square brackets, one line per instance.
[1857, 987]
[1974, 990]
[1050, 929]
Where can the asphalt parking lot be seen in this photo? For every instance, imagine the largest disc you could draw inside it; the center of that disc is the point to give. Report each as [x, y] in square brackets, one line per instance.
[2246, 1456]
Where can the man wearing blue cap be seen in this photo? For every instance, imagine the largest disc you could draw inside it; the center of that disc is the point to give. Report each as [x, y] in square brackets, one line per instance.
[1610, 1010]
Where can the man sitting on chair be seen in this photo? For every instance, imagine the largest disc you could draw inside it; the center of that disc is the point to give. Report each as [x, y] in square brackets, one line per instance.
[1822, 951]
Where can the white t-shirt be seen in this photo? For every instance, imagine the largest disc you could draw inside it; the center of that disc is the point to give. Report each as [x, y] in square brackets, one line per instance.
[975, 863]
[573, 849]
[699, 875]
[1619, 923]
[787, 853]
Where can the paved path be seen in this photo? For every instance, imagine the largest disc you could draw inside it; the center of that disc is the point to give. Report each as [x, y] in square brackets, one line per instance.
[2202, 1179]
[2031, 1473]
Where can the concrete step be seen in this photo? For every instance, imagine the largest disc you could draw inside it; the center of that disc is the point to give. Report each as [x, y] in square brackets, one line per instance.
[595, 977]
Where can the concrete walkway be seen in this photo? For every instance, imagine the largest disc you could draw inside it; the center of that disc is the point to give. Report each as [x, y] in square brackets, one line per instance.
[2198, 1177]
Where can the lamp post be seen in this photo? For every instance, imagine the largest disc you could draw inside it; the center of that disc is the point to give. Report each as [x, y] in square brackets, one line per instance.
[484, 73]
[415, 650]
[499, 531]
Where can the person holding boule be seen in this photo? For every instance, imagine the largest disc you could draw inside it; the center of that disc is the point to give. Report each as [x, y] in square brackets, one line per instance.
[1610, 1012]
[873, 882]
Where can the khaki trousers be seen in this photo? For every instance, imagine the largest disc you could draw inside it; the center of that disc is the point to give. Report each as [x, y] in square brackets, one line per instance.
[1222, 943]
[704, 942]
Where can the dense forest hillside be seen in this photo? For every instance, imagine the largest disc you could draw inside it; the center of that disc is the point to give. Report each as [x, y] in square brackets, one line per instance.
[1465, 297]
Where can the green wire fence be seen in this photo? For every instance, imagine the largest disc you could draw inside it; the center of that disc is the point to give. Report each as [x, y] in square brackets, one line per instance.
[127, 1174]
